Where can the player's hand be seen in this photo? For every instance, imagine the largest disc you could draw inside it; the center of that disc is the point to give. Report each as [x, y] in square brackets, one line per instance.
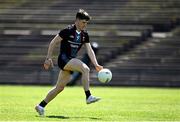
[48, 64]
[98, 68]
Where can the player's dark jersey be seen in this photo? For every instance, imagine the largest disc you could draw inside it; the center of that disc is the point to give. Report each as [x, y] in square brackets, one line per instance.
[71, 44]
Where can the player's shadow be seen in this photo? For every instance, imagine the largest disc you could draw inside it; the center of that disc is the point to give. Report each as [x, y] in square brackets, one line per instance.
[58, 117]
[64, 117]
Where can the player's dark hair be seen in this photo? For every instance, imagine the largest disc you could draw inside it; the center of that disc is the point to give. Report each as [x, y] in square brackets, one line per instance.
[82, 14]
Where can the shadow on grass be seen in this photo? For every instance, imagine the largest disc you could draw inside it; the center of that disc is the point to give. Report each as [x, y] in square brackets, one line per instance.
[58, 117]
[64, 117]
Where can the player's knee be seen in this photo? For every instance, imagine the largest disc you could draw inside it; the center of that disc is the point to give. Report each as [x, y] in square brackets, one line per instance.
[86, 69]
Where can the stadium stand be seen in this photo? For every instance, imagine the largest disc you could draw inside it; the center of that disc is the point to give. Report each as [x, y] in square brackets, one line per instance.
[123, 29]
[155, 63]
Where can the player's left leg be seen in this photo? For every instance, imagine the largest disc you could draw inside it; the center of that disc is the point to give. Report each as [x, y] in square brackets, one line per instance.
[77, 65]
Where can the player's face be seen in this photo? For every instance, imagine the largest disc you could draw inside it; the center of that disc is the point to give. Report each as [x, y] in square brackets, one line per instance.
[81, 24]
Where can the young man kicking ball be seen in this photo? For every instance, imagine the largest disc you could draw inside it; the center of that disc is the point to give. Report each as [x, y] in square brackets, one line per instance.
[70, 39]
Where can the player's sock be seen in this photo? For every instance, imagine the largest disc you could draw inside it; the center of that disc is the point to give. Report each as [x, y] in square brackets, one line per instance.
[43, 104]
[88, 93]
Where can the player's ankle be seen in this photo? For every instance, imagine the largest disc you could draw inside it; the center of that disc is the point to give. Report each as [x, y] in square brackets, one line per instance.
[43, 104]
[88, 93]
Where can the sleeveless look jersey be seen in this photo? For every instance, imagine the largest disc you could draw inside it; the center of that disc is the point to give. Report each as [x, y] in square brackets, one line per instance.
[71, 44]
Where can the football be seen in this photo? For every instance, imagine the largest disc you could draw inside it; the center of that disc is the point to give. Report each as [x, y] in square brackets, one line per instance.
[104, 75]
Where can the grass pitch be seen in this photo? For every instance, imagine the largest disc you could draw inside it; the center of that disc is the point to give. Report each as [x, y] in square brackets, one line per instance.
[118, 104]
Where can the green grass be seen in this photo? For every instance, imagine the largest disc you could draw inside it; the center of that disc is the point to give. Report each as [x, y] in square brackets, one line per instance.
[117, 104]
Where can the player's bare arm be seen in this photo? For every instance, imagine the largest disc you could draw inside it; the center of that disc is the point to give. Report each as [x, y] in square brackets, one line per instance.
[48, 62]
[93, 57]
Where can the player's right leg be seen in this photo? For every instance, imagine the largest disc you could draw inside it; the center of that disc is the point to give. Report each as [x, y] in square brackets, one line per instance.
[63, 78]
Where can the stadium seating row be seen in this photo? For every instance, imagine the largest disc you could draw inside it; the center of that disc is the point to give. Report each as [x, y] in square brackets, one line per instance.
[155, 63]
[123, 29]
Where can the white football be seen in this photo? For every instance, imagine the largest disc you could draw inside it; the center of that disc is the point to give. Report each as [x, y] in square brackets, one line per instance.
[104, 75]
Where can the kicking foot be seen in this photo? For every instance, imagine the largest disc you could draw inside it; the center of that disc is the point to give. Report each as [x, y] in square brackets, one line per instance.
[40, 110]
[92, 99]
